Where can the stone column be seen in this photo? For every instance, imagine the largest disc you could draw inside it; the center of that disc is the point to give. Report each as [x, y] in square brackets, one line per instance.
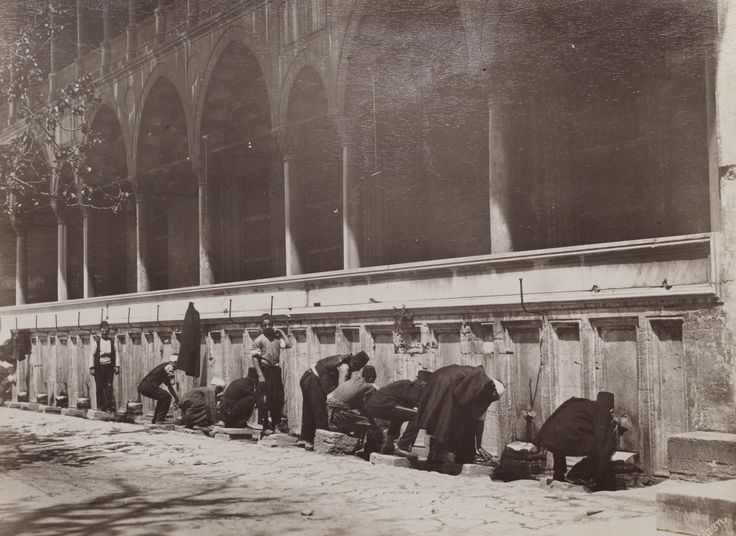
[88, 287]
[719, 374]
[291, 217]
[350, 197]
[498, 185]
[206, 272]
[192, 13]
[21, 263]
[141, 238]
[52, 59]
[160, 19]
[105, 49]
[62, 292]
[131, 33]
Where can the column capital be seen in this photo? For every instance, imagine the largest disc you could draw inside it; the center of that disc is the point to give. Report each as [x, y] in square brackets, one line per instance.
[289, 141]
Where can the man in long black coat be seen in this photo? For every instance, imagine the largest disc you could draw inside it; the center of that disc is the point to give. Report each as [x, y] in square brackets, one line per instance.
[582, 427]
[452, 408]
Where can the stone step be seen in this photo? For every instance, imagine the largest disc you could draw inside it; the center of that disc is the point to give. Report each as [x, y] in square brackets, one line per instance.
[327, 442]
[100, 415]
[13, 405]
[74, 412]
[473, 469]
[277, 440]
[190, 431]
[235, 433]
[52, 409]
[699, 509]
[387, 459]
[702, 456]
[29, 406]
[159, 427]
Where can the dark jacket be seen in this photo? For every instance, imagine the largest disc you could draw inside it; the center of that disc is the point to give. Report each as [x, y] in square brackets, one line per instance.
[113, 353]
[156, 377]
[328, 370]
[452, 401]
[190, 343]
[237, 390]
[405, 393]
[199, 407]
[579, 427]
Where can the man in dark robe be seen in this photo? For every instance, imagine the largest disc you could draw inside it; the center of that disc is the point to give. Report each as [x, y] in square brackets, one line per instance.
[150, 387]
[199, 405]
[319, 381]
[397, 403]
[452, 409]
[582, 427]
[238, 400]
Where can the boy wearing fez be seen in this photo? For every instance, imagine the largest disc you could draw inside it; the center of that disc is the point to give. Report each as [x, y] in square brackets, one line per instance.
[103, 365]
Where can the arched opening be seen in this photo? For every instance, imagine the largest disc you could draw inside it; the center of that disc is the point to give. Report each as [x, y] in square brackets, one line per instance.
[244, 170]
[166, 177]
[40, 226]
[421, 124]
[111, 238]
[315, 168]
[603, 109]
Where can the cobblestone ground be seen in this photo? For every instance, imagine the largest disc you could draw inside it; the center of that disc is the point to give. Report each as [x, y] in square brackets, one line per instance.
[67, 476]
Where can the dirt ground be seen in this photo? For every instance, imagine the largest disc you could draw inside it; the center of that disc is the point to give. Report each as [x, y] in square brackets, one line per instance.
[68, 476]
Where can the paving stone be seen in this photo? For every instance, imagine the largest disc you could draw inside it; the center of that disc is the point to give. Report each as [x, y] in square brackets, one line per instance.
[151, 426]
[52, 409]
[99, 415]
[240, 434]
[699, 509]
[84, 403]
[74, 412]
[277, 440]
[29, 406]
[386, 459]
[13, 405]
[42, 399]
[191, 431]
[134, 408]
[326, 442]
[472, 469]
[702, 455]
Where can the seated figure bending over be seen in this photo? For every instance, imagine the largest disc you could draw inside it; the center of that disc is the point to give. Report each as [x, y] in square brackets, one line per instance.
[319, 381]
[238, 400]
[199, 406]
[582, 427]
[452, 411]
[396, 404]
[346, 404]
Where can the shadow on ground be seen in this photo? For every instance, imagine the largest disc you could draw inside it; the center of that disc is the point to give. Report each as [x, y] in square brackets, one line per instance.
[132, 511]
[18, 450]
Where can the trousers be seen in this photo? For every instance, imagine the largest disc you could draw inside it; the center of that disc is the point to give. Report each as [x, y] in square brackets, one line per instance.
[104, 376]
[270, 398]
[162, 398]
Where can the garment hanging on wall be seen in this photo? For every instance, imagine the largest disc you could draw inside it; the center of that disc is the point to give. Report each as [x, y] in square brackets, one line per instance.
[190, 343]
[22, 344]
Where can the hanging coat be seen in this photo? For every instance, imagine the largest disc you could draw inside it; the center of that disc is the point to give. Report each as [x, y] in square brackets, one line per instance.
[190, 343]
[22, 344]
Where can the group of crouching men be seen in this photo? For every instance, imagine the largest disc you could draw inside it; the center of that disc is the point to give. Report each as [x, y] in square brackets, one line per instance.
[340, 394]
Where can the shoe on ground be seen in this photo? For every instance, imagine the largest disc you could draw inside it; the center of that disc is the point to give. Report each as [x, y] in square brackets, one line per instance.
[309, 447]
[267, 432]
[301, 443]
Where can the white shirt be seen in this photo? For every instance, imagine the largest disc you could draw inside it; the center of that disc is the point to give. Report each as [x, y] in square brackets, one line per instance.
[105, 348]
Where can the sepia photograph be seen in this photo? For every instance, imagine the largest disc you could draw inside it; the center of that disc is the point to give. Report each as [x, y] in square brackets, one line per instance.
[367, 267]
